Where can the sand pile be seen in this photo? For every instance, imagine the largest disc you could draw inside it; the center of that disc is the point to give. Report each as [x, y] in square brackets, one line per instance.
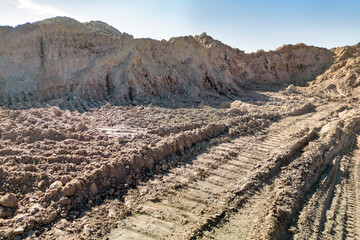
[75, 65]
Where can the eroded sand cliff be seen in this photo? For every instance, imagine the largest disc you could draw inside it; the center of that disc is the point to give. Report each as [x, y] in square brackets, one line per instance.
[63, 62]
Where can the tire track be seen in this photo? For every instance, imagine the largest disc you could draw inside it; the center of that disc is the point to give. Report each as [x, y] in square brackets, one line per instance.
[311, 219]
[238, 224]
[184, 204]
[342, 217]
[332, 210]
[267, 213]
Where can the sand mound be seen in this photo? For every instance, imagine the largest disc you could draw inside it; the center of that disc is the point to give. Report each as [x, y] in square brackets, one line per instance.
[74, 65]
[343, 77]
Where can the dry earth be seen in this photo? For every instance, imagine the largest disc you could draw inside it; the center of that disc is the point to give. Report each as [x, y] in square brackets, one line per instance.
[103, 136]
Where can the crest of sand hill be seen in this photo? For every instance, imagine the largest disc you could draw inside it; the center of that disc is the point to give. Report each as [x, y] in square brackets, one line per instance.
[64, 62]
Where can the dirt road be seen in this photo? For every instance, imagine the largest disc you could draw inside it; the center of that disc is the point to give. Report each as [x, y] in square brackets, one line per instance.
[227, 191]
[275, 168]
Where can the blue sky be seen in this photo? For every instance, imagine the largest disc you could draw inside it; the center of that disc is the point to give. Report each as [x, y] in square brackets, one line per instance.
[247, 25]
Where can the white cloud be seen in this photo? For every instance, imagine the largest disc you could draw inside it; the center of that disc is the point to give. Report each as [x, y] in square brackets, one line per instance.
[38, 9]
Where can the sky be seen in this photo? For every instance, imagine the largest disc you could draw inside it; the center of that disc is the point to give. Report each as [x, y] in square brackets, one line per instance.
[248, 25]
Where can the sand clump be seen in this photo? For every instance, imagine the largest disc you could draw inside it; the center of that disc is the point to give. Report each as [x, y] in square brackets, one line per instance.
[8, 200]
